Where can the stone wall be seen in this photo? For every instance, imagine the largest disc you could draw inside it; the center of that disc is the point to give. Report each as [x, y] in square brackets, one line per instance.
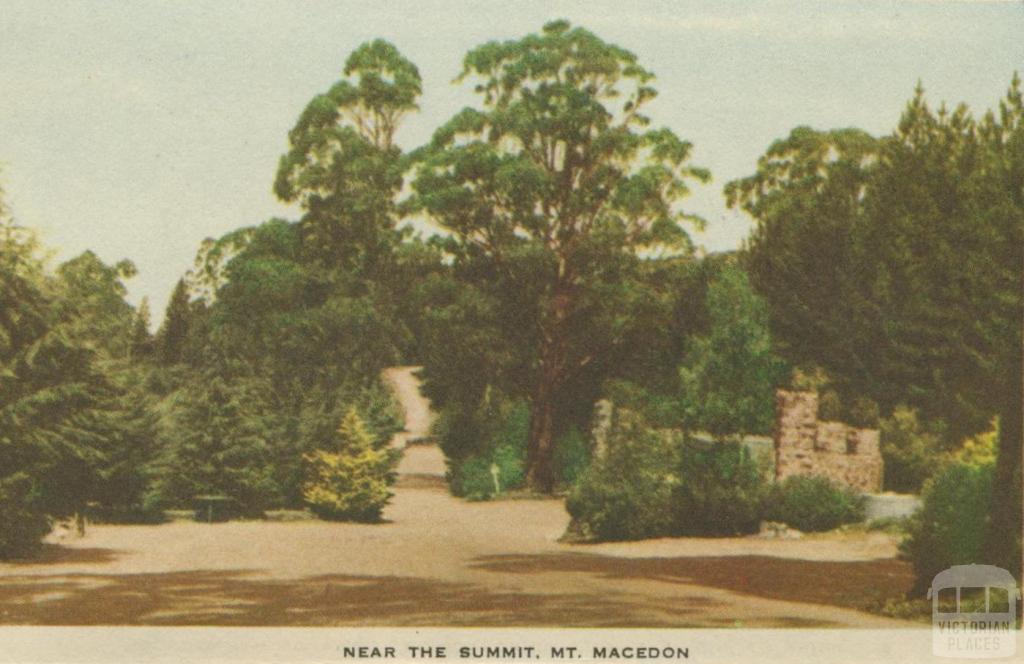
[805, 445]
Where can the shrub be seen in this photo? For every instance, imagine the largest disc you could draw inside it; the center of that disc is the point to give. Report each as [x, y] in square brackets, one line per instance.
[352, 483]
[627, 493]
[721, 490]
[653, 483]
[511, 463]
[950, 527]
[474, 479]
[21, 527]
[814, 504]
[502, 428]
[910, 452]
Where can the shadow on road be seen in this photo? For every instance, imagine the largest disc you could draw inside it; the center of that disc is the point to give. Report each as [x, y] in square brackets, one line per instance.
[235, 598]
[54, 554]
[855, 585]
[244, 598]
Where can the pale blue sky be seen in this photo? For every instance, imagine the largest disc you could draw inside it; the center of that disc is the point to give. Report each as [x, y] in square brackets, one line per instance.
[137, 129]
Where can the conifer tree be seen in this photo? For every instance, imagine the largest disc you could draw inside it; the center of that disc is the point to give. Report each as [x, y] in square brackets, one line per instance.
[141, 337]
[350, 484]
[174, 331]
[220, 445]
[51, 399]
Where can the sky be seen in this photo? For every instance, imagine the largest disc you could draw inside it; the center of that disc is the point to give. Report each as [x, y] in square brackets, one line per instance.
[137, 129]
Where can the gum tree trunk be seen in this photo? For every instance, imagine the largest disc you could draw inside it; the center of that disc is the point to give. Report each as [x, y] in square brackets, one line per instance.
[551, 376]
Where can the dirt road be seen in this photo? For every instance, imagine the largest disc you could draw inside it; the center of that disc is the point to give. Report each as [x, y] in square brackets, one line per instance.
[442, 561]
[420, 464]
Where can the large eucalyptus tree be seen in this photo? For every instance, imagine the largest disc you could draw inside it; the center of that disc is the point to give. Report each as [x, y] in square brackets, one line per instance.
[558, 165]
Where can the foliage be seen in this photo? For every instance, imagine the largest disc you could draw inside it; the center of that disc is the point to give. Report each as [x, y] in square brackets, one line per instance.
[141, 345]
[804, 197]
[55, 397]
[504, 449]
[221, 444]
[557, 178]
[130, 448]
[627, 493]
[173, 334]
[572, 456]
[950, 528]
[502, 427]
[21, 526]
[896, 263]
[655, 483]
[94, 293]
[812, 504]
[980, 449]
[473, 479]
[659, 409]
[721, 490]
[911, 453]
[352, 483]
[730, 375]
[343, 166]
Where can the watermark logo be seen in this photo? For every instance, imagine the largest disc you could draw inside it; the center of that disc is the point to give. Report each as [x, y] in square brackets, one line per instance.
[974, 612]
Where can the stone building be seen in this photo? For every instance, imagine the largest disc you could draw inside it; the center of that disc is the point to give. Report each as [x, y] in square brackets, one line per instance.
[805, 445]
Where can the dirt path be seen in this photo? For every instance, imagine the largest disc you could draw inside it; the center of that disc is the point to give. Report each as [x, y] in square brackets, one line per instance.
[421, 463]
[442, 561]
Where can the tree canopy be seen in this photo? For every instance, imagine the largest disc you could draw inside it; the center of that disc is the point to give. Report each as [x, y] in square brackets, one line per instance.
[896, 263]
[557, 183]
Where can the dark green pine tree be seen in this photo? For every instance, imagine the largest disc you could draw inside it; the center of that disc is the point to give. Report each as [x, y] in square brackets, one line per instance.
[221, 445]
[52, 396]
[141, 343]
[129, 449]
[173, 333]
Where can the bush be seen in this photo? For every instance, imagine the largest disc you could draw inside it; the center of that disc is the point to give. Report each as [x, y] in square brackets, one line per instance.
[627, 493]
[21, 527]
[721, 490]
[653, 483]
[950, 527]
[505, 448]
[352, 483]
[502, 429]
[814, 504]
[474, 480]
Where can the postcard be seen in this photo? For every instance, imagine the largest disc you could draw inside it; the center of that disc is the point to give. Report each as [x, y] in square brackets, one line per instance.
[504, 332]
